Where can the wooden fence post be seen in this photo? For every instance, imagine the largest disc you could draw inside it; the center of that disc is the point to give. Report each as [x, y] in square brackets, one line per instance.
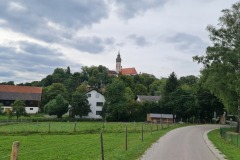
[75, 126]
[237, 140]
[126, 147]
[15, 149]
[161, 124]
[102, 149]
[151, 128]
[49, 127]
[37, 126]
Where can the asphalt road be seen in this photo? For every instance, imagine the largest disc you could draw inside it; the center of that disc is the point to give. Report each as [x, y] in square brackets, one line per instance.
[185, 143]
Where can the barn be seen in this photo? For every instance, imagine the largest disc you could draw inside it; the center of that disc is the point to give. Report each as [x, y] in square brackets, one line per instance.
[157, 118]
[30, 95]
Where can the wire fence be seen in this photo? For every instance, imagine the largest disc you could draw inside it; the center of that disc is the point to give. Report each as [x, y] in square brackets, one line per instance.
[230, 135]
[76, 127]
[129, 133]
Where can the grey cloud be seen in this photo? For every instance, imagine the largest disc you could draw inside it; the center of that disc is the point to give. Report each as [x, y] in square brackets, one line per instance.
[92, 44]
[35, 15]
[138, 40]
[131, 8]
[31, 58]
[6, 74]
[187, 42]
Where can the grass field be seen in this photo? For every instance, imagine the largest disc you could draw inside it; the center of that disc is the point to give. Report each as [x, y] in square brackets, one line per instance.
[75, 127]
[69, 146]
[229, 150]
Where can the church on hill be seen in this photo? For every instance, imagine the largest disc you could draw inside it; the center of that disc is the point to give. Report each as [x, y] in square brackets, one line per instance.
[120, 70]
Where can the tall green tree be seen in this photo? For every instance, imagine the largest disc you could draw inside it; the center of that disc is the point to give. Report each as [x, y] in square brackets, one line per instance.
[140, 89]
[171, 83]
[80, 104]
[182, 103]
[57, 106]
[221, 72]
[188, 80]
[19, 108]
[115, 106]
[171, 86]
[157, 87]
[50, 93]
[206, 105]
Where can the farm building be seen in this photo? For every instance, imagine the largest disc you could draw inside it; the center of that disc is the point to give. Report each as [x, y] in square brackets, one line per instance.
[30, 95]
[96, 101]
[156, 118]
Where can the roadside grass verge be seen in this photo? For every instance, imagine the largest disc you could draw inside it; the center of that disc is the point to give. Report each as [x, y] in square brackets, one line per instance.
[229, 150]
[81, 146]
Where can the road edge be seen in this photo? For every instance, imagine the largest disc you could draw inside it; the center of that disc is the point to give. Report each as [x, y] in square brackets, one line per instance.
[212, 148]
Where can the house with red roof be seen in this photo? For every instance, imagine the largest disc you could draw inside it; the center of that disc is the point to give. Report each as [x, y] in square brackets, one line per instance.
[30, 95]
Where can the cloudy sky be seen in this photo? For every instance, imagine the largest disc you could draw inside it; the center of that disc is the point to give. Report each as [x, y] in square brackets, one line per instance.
[154, 36]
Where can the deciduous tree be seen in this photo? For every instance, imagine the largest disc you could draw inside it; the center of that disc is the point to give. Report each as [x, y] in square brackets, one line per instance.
[115, 105]
[80, 104]
[57, 106]
[19, 108]
[221, 72]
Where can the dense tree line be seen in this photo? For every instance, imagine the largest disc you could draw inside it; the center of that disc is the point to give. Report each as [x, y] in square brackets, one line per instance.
[183, 97]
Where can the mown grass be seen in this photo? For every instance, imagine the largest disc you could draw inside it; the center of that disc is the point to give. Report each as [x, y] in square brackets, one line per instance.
[229, 150]
[80, 146]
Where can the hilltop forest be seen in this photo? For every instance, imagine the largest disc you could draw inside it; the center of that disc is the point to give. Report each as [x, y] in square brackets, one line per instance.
[184, 97]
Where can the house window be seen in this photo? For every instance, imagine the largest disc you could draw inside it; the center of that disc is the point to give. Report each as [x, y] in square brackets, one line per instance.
[98, 112]
[99, 104]
[97, 95]
[31, 108]
[88, 95]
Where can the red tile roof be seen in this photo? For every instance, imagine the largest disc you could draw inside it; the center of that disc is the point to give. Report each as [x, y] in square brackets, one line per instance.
[128, 71]
[20, 89]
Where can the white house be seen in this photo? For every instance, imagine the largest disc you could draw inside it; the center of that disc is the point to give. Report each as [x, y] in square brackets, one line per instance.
[96, 101]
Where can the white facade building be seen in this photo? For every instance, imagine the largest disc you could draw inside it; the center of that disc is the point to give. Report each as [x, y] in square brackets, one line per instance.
[96, 101]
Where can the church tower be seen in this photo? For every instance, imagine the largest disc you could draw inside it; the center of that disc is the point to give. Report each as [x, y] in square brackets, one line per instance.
[118, 63]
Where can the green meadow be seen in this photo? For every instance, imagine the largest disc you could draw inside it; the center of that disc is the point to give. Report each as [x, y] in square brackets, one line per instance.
[81, 140]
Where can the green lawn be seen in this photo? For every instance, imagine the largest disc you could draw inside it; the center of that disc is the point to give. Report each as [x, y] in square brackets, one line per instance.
[80, 146]
[228, 149]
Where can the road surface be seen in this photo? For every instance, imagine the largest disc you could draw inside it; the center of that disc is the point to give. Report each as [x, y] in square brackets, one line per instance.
[186, 143]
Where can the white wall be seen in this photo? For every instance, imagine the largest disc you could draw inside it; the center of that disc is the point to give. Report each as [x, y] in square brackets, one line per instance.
[95, 97]
[32, 110]
[29, 110]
